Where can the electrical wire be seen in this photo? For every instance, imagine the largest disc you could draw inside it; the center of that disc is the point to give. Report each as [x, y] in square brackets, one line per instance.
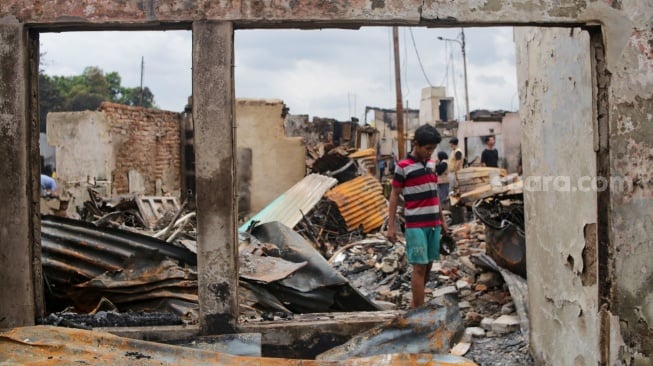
[405, 78]
[419, 60]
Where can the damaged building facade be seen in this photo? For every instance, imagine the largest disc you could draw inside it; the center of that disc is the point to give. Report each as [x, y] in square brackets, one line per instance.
[585, 92]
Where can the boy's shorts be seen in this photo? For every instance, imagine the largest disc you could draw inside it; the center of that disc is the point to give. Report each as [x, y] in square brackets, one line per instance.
[423, 244]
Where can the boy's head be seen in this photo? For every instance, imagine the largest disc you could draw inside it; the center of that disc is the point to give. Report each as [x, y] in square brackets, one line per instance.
[454, 141]
[442, 156]
[426, 135]
[425, 141]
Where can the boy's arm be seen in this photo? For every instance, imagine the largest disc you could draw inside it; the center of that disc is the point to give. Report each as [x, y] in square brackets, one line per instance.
[392, 214]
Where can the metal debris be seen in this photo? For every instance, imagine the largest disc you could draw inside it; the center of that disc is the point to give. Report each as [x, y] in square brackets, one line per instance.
[288, 207]
[434, 328]
[503, 216]
[56, 345]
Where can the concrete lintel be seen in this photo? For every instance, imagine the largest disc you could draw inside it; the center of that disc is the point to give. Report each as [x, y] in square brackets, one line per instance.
[215, 171]
[305, 336]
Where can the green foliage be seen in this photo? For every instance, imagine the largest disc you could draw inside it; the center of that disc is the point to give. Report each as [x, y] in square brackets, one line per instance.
[86, 92]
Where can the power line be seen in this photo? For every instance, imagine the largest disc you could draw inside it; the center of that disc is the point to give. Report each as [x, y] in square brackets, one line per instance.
[419, 60]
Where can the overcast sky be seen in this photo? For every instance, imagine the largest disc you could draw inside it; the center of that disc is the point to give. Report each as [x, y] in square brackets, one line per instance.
[324, 73]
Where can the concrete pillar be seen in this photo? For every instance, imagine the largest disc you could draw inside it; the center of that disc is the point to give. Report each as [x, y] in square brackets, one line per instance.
[559, 160]
[18, 179]
[215, 171]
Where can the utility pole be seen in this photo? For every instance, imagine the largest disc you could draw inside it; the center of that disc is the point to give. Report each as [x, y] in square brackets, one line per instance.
[142, 69]
[467, 116]
[400, 110]
[462, 46]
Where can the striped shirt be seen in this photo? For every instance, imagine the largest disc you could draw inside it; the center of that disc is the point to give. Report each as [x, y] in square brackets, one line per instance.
[419, 185]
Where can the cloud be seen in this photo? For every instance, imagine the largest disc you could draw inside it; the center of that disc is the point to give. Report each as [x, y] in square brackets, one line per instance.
[328, 73]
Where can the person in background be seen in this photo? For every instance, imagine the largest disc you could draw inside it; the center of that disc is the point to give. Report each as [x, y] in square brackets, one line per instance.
[415, 178]
[442, 171]
[48, 184]
[455, 161]
[381, 168]
[490, 156]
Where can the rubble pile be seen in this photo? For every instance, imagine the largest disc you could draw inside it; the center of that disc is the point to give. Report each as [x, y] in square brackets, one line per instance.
[139, 255]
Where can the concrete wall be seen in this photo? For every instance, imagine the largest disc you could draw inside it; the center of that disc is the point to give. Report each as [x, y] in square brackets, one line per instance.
[278, 161]
[110, 144]
[558, 142]
[621, 47]
[507, 140]
[511, 135]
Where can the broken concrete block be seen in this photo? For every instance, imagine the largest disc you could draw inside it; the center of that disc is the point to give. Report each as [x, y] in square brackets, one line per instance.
[464, 305]
[475, 331]
[505, 324]
[389, 265]
[460, 349]
[437, 267]
[445, 290]
[462, 284]
[508, 308]
[486, 323]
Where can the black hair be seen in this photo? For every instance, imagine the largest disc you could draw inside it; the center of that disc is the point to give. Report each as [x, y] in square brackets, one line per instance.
[47, 170]
[427, 135]
[487, 138]
[454, 141]
[442, 156]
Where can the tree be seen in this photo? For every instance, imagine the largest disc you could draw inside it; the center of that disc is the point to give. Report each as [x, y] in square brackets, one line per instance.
[86, 92]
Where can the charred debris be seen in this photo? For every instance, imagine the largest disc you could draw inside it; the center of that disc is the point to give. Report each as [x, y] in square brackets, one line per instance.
[318, 248]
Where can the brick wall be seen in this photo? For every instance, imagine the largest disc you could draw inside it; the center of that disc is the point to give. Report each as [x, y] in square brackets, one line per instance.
[149, 143]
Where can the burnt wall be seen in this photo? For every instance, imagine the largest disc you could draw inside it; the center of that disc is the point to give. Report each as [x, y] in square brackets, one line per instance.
[149, 143]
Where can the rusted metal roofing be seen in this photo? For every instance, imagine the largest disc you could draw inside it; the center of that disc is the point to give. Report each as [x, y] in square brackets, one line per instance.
[47, 345]
[288, 207]
[367, 160]
[360, 202]
[75, 251]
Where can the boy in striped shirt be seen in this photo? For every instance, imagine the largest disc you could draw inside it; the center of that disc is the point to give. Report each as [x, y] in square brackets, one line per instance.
[415, 178]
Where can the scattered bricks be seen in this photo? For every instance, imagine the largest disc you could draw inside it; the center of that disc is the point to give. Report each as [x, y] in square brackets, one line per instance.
[445, 290]
[489, 279]
[480, 287]
[508, 308]
[486, 323]
[505, 324]
[481, 237]
[473, 319]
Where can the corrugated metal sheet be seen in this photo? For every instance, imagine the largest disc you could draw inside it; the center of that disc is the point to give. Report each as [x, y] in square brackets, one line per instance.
[360, 202]
[288, 207]
[426, 329]
[75, 251]
[46, 345]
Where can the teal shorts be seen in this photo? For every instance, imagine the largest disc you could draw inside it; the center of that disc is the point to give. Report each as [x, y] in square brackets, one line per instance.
[423, 244]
